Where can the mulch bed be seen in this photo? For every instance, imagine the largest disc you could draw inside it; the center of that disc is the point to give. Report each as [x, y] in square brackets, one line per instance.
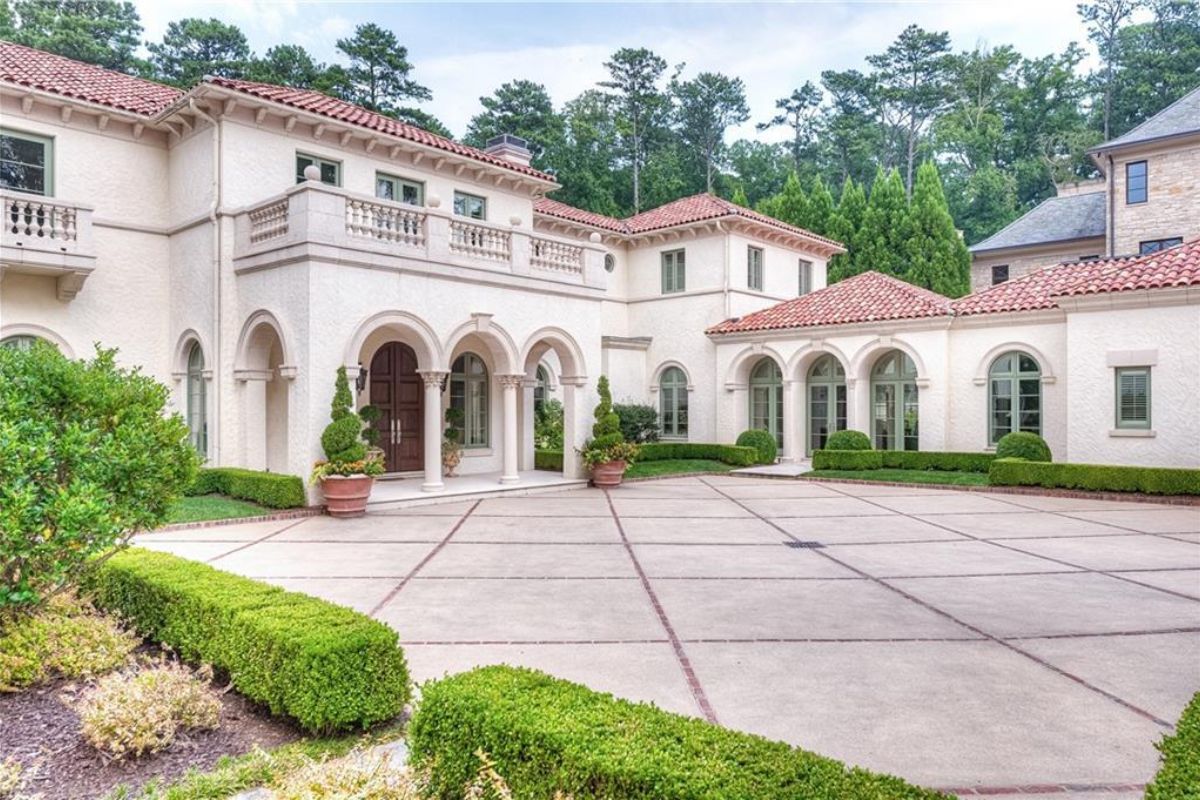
[41, 731]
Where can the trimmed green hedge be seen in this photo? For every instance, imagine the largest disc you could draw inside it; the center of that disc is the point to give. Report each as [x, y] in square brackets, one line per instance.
[548, 459]
[271, 489]
[902, 459]
[847, 459]
[326, 666]
[725, 453]
[1179, 776]
[546, 735]
[1023, 444]
[762, 441]
[1094, 477]
[848, 440]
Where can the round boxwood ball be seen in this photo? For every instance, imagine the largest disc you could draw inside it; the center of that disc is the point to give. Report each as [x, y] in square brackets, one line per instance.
[1022, 444]
[763, 442]
[848, 440]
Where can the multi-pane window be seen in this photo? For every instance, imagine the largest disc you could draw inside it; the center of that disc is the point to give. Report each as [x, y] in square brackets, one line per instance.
[754, 268]
[1133, 397]
[25, 162]
[331, 171]
[1135, 182]
[766, 398]
[674, 272]
[895, 402]
[1014, 396]
[469, 394]
[826, 401]
[401, 190]
[673, 403]
[999, 274]
[1154, 245]
[805, 276]
[21, 341]
[470, 205]
[197, 400]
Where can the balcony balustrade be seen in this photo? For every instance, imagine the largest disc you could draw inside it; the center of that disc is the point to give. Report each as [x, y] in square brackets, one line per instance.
[47, 236]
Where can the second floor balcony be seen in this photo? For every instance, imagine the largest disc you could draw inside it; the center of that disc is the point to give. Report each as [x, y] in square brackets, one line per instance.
[47, 236]
[382, 230]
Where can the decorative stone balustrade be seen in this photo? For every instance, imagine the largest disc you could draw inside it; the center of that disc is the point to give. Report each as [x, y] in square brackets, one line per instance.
[39, 218]
[385, 222]
[552, 254]
[269, 221]
[47, 236]
[480, 241]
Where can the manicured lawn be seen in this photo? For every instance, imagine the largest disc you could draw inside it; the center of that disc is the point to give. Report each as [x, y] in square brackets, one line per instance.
[904, 476]
[213, 506]
[675, 466]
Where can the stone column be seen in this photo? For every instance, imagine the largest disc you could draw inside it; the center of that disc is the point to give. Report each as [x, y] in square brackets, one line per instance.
[510, 384]
[526, 443]
[792, 449]
[433, 430]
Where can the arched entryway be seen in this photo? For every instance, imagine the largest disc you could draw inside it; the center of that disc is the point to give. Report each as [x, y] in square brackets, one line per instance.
[826, 383]
[766, 398]
[398, 392]
[895, 414]
[264, 380]
[549, 352]
[1014, 395]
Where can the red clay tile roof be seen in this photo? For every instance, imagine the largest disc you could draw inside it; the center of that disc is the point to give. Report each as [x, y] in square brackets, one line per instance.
[1178, 266]
[869, 297]
[47, 72]
[553, 208]
[1033, 291]
[342, 111]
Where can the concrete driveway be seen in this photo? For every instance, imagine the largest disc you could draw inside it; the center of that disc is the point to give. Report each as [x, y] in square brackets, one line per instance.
[965, 641]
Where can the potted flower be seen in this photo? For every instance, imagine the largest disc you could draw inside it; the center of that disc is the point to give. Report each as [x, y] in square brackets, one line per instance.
[349, 469]
[607, 454]
[452, 440]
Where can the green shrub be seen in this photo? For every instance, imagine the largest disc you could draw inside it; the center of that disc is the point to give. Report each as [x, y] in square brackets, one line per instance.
[345, 439]
[328, 667]
[546, 735]
[89, 455]
[1023, 444]
[763, 442]
[548, 425]
[848, 440]
[853, 460]
[548, 459]
[639, 422]
[725, 453]
[947, 462]
[270, 489]
[607, 443]
[1095, 477]
[1179, 776]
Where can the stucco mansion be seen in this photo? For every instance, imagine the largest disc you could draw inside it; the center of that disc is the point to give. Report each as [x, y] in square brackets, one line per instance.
[241, 241]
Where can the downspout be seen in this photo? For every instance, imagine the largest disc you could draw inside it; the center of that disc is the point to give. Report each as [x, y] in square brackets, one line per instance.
[215, 220]
[1112, 209]
[725, 288]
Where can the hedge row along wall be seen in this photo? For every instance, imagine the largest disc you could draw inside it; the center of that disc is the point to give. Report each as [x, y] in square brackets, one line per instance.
[725, 453]
[270, 489]
[547, 735]
[548, 459]
[902, 459]
[328, 667]
[1094, 477]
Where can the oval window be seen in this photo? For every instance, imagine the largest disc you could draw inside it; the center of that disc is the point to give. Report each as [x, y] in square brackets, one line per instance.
[610, 262]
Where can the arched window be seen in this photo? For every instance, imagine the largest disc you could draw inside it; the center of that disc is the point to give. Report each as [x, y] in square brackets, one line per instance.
[469, 394]
[197, 399]
[1014, 395]
[539, 391]
[673, 403]
[894, 407]
[21, 341]
[826, 401]
[766, 398]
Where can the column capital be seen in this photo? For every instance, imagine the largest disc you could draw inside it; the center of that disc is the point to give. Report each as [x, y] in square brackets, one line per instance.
[511, 381]
[433, 377]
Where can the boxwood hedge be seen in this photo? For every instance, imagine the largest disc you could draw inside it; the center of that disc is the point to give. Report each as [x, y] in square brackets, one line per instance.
[847, 459]
[725, 453]
[326, 666]
[1094, 477]
[1179, 776]
[548, 459]
[270, 489]
[901, 459]
[546, 735]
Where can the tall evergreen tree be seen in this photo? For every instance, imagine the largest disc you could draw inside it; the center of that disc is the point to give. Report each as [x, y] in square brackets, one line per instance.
[634, 76]
[1104, 19]
[101, 32]
[707, 107]
[379, 70]
[739, 198]
[192, 48]
[820, 208]
[880, 242]
[937, 256]
[522, 108]
[800, 112]
[790, 205]
[287, 65]
[844, 225]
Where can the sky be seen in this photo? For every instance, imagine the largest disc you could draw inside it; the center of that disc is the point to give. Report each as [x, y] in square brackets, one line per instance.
[463, 51]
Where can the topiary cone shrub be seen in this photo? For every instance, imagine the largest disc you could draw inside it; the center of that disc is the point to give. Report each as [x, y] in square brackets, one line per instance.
[848, 440]
[762, 441]
[607, 453]
[349, 468]
[1023, 444]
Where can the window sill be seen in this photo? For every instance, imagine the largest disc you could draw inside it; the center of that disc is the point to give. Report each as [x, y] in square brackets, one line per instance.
[1132, 433]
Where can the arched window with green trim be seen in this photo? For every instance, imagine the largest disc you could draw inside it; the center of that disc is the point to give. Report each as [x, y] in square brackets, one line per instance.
[826, 400]
[469, 394]
[673, 403]
[20, 341]
[766, 398]
[197, 399]
[895, 410]
[1014, 395]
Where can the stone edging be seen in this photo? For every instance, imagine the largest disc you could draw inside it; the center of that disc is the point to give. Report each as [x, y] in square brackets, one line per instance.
[1077, 494]
[278, 516]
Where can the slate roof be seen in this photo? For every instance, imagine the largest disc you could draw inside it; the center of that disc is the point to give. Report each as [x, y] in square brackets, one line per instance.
[1057, 219]
[1182, 116]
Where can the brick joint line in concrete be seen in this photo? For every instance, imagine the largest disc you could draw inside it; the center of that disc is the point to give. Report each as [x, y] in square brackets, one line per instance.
[684, 662]
[947, 615]
[259, 540]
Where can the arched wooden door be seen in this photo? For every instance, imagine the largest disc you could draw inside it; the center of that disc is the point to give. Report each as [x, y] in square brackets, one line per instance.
[398, 392]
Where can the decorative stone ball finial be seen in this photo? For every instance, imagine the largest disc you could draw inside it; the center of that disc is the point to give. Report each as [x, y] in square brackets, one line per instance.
[433, 201]
[312, 173]
[594, 237]
[515, 221]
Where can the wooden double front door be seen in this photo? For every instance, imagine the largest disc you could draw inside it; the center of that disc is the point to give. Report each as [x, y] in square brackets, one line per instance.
[398, 392]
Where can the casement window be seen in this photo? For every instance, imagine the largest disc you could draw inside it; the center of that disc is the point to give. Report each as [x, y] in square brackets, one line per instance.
[754, 268]
[1133, 397]
[674, 272]
[673, 403]
[197, 400]
[26, 162]
[1154, 245]
[470, 205]
[1136, 182]
[1014, 395]
[805, 276]
[400, 190]
[469, 394]
[766, 398]
[999, 274]
[331, 171]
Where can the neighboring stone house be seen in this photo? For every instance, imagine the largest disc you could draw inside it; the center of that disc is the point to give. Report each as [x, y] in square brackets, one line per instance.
[1147, 199]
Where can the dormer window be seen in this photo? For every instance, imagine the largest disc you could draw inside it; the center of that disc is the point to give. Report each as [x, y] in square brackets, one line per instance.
[25, 162]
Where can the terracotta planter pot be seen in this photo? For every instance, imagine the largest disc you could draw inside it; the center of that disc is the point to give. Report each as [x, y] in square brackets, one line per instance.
[608, 474]
[346, 496]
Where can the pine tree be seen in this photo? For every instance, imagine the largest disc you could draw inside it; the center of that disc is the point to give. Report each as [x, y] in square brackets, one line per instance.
[843, 227]
[820, 208]
[880, 242]
[739, 198]
[937, 257]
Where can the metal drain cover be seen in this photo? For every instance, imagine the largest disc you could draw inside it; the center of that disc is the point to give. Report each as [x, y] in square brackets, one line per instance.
[803, 545]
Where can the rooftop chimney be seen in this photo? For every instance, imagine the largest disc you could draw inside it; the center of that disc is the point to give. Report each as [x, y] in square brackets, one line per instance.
[1089, 186]
[512, 149]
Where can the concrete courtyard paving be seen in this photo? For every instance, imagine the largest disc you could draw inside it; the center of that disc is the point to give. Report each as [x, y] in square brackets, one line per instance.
[966, 641]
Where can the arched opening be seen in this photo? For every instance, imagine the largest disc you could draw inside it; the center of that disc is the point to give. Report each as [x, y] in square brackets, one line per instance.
[1014, 395]
[470, 396]
[826, 382]
[548, 392]
[894, 407]
[673, 403]
[265, 394]
[21, 341]
[397, 391]
[197, 400]
[766, 398]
